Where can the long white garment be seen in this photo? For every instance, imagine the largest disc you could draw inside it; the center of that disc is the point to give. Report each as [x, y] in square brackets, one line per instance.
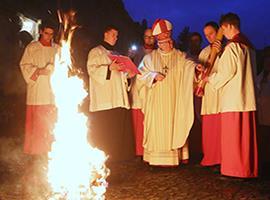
[138, 90]
[168, 106]
[234, 79]
[36, 56]
[138, 86]
[210, 97]
[105, 93]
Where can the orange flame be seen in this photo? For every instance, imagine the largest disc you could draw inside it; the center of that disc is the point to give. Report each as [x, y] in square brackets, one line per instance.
[75, 169]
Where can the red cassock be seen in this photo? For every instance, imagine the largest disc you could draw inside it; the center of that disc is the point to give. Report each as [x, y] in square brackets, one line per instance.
[239, 156]
[39, 125]
[237, 105]
[211, 141]
[137, 120]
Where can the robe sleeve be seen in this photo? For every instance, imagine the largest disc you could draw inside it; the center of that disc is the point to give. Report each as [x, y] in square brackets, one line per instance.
[28, 69]
[191, 64]
[146, 69]
[184, 115]
[98, 65]
[226, 69]
[203, 56]
[50, 67]
[51, 63]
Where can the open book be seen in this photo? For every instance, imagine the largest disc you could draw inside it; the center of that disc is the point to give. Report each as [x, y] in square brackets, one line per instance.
[129, 66]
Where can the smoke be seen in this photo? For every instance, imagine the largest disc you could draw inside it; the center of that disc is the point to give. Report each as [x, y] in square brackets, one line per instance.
[11, 154]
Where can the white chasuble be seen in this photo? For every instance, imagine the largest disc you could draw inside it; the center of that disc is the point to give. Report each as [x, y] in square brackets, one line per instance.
[168, 106]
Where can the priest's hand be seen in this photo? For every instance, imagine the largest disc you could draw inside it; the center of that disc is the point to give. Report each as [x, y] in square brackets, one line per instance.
[217, 46]
[200, 68]
[116, 66]
[159, 77]
[130, 74]
[205, 78]
[49, 66]
[44, 71]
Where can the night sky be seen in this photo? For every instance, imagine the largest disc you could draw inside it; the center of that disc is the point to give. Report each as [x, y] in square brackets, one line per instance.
[254, 15]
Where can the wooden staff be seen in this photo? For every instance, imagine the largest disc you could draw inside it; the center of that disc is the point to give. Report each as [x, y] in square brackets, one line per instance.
[199, 89]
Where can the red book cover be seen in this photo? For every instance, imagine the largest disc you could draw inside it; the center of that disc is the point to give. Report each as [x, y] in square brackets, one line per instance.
[126, 62]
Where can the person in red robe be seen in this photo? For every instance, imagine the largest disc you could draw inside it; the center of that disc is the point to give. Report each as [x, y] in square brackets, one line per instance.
[137, 89]
[234, 79]
[209, 110]
[37, 66]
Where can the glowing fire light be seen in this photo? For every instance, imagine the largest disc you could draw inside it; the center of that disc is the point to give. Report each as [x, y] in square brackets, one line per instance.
[76, 171]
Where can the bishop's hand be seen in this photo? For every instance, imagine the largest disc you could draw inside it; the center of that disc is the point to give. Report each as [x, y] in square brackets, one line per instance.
[159, 77]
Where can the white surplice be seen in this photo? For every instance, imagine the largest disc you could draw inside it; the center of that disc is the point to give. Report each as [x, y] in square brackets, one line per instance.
[36, 56]
[105, 93]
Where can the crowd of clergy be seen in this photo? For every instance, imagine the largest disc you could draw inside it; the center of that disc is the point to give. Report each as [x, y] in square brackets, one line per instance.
[150, 112]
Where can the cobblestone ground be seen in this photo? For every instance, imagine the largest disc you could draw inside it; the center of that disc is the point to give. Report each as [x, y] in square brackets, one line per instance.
[136, 180]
